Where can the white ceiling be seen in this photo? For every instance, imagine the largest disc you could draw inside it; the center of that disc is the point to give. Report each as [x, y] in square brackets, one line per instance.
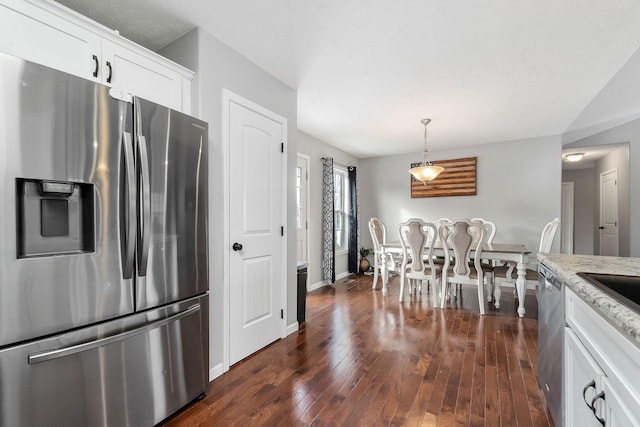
[367, 71]
[591, 155]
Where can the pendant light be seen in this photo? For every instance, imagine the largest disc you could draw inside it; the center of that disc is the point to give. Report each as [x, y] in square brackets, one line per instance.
[427, 171]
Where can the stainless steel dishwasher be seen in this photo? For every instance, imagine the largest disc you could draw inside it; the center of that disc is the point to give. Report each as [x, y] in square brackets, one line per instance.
[551, 322]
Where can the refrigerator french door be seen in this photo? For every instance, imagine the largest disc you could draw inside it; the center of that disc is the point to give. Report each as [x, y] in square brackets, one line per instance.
[103, 261]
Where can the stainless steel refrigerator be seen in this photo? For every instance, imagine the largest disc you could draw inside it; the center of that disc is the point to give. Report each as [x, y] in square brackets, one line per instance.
[103, 253]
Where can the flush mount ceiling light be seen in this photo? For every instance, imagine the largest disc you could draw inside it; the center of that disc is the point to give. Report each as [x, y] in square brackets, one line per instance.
[574, 157]
[427, 171]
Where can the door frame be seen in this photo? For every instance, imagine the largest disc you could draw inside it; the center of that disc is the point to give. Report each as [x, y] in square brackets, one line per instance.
[601, 203]
[229, 97]
[307, 200]
[568, 215]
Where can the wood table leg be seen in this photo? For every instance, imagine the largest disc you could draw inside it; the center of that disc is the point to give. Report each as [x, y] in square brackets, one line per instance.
[497, 292]
[521, 287]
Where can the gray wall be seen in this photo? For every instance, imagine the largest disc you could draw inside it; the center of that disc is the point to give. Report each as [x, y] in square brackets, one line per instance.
[518, 187]
[628, 132]
[219, 67]
[584, 208]
[316, 149]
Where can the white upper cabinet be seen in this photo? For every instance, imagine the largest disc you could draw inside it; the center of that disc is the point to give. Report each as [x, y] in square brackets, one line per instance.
[50, 34]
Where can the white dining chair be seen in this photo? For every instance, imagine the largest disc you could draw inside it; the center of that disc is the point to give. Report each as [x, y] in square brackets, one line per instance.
[489, 234]
[508, 274]
[418, 239]
[461, 237]
[490, 229]
[379, 236]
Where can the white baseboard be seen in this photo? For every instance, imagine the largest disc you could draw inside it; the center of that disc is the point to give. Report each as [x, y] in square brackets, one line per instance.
[343, 275]
[322, 283]
[215, 372]
[315, 286]
[293, 328]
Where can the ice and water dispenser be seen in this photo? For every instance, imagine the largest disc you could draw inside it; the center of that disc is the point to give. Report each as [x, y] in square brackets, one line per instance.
[54, 217]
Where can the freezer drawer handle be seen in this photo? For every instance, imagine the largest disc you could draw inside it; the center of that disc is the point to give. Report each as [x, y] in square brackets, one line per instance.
[67, 351]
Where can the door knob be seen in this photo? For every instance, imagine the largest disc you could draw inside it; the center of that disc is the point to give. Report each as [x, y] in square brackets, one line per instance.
[601, 228]
[237, 247]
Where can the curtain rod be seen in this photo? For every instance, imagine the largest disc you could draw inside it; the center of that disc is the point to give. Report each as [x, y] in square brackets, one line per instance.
[337, 163]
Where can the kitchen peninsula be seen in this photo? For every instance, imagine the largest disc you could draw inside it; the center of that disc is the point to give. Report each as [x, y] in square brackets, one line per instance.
[601, 357]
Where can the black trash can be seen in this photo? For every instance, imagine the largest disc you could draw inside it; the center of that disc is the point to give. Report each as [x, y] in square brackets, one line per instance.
[302, 291]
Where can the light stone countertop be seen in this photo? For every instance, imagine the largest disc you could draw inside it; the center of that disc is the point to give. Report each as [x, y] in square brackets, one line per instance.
[566, 267]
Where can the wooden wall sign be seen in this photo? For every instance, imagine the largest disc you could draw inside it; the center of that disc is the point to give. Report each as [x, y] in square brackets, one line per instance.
[457, 179]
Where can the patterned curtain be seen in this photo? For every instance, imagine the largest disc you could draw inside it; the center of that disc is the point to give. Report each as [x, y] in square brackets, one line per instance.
[354, 220]
[328, 233]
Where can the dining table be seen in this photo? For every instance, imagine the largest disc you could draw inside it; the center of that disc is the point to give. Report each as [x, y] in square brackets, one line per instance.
[505, 252]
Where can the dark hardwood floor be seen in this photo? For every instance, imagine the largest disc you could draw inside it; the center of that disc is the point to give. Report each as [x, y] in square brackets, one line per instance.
[362, 359]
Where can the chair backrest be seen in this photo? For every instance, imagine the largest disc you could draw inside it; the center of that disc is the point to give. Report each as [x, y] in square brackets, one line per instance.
[418, 238]
[490, 229]
[378, 233]
[548, 233]
[438, 222]
[463, 237]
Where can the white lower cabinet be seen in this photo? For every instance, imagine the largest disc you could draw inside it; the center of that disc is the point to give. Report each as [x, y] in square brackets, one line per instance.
[49, 34]
[622, 409]
[583, 383]
[601, 370]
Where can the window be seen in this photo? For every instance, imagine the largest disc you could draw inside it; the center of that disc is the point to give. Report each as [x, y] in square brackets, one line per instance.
[341, 208]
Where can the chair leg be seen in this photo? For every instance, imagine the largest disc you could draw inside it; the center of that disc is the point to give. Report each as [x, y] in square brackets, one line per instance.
[376, 271]
[385, 279]
[481, 297]
[443, 291]
[402, 279]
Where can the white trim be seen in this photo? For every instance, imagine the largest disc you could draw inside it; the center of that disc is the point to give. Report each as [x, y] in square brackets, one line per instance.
[568, 215]
[600, 202]
[308, 202]
[343, 275]
[227, 98]
[215, 372]
[322, 283]
[293, 328]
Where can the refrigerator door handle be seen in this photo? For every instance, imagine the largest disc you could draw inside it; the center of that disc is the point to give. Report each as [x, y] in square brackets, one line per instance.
[145, 202]
[129, 213]
[44, 356]
[144, 193]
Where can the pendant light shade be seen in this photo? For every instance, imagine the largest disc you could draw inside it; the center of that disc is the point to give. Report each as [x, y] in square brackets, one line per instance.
[426, 171]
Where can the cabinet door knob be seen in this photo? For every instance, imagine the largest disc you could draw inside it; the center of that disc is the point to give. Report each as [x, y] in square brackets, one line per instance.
[237, 247]
[591, 384]
[593, 406]
[97, 66]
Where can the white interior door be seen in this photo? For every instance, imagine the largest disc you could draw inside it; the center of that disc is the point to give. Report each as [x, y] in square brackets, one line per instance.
[609, 213]
[256, 240]
[302, 220]
[566, 238]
